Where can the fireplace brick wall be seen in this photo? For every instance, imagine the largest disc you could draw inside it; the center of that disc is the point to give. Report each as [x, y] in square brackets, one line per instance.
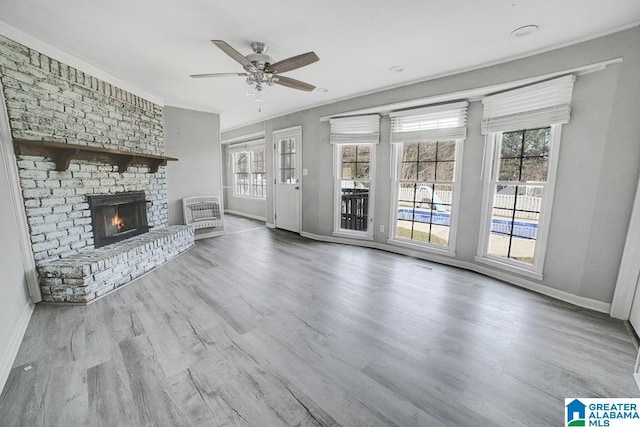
[48, 100]
[56, 204]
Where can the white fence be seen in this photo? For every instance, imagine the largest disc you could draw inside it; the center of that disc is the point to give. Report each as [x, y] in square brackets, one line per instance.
[502, 203]
[423, 195]
[525, 203]
[446, 197]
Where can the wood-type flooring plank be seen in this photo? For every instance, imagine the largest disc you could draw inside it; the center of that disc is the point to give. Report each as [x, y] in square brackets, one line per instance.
[262, 327]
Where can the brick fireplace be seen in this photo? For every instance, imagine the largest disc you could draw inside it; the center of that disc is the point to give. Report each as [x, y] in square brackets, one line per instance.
[49, 101]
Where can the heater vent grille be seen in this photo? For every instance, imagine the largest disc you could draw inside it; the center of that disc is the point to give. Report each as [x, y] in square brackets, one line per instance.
[202, 211]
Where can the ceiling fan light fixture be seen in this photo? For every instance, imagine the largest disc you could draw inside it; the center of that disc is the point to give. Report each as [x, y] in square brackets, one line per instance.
[259, 95]
[261, 71]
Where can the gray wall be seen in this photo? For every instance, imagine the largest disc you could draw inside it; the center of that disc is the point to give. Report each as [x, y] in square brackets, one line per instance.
[14, 304]
[194, 138]
[245, 205]
[597, 173]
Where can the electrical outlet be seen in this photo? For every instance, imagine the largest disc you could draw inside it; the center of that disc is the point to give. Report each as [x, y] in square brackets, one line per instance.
[382, 228]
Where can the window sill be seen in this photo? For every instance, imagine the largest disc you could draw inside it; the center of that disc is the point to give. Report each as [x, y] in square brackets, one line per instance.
[248, 197]
[509, 268]
[423, 248]
[355, 236]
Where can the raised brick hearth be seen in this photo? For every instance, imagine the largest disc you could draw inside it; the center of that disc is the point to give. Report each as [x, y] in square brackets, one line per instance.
[86, 276]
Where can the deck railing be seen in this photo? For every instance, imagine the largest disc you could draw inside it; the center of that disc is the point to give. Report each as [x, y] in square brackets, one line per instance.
[355, 209]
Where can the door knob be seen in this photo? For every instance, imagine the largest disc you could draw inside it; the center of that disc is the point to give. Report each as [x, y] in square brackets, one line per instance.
[297, 187]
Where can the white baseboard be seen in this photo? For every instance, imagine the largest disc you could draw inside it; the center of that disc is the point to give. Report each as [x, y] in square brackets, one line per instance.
[589, 303]
[246, 215]
[270, 225]
[11, 351]
[209, 234]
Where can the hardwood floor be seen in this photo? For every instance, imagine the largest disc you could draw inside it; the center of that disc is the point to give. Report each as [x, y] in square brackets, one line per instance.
[264, 328]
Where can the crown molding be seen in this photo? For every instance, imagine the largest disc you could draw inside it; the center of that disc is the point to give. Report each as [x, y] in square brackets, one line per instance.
[31, 42]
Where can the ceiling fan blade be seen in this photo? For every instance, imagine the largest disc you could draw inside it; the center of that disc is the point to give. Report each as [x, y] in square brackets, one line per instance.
[294, 84]
[237, 56]
[204, 76]
[293, 63]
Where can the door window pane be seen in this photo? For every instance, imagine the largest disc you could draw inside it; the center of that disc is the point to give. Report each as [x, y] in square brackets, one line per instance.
[287, 161]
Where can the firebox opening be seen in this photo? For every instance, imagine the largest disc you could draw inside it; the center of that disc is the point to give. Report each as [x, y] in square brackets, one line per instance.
[120, 219]
[117, 217]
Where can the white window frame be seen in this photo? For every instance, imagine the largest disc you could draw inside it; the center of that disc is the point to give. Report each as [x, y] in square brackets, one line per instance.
[248, 148]
[354, 131]
[434, 123]
[338, 231]
[450, 249]
[490, 174]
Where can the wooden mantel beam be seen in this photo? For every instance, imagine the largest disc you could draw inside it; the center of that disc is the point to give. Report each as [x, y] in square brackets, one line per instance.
[62, 153]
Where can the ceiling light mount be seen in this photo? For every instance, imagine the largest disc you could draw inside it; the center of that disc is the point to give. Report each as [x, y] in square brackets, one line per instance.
[259, 58]
[259, 47]
[525, 30]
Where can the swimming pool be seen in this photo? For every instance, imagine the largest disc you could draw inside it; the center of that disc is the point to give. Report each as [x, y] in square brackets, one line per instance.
[524, 230]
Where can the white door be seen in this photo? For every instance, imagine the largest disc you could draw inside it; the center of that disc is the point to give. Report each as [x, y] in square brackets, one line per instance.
[288, 144]
[634, 317]
[626, 298]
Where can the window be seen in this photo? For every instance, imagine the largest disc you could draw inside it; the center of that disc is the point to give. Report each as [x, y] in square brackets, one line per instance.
[241, 173]
[523, 134]
[518, 187]
[427, 149]
[258, 174]
[354, 186]
[425, 191]
[249, 175]
[354, 140]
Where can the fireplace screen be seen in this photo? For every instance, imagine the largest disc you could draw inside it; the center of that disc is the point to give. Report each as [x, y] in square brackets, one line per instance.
[118, 216]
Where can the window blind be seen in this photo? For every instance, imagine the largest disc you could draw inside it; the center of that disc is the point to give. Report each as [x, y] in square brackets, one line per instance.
[355, 130]
[537, 105]
[254, 145]
[246, 146]
[440, 122]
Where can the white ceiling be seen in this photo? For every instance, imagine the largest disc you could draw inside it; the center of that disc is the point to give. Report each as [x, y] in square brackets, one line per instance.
[155, 45]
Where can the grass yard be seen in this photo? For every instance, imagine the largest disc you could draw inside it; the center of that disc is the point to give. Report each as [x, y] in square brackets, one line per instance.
[421, 236]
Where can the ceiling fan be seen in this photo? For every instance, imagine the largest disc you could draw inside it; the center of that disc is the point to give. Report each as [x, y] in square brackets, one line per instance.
[261, 71]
